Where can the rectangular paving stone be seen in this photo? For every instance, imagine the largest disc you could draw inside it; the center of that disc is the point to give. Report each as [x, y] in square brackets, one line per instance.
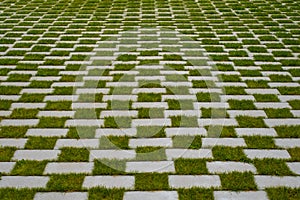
[251, 113]
[189, 181]
[225, 98]
[69, 167]
[88, 105]
[143, 142]
[170, 132]
[47, 132]
[188, 153]
[61, 98]
[84, 122]
[69, 114]
[23, 182]
[38, 155]
[77, 143]
[262, 105]
[118, 113]
[10, 142]
[120, 97]
[179, 97]
[150, 167]
[157, 195]
[151, 122]
[277, 181]
[112, 154]
[37, 91]
[199, 105]
[228, 167]
[5, 113]
[241, 195]
[6, 167]
[61, 196]
[255, 132]
[260, 154]
[231, 142]
[282, 122]
[115, 132]
[170, 113]
[148, 90]
[19, 122]
[224, 122]
[28, 105]
[287, 142]
[92, 91]
[294, 167]
[126, 182]
[262, 91]
[136, 105]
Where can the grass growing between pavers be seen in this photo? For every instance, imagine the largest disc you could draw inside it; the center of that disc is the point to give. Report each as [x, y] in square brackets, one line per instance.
[69, 154]
[107, 194]
[109, 167]
[190, 166]
[151, 181]
[278, 193]
[237, 181]
[65, 182]
[17, 194]
[29, 168]
[195, 193]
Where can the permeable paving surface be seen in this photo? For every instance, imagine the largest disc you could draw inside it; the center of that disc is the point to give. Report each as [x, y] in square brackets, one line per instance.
[149, 99]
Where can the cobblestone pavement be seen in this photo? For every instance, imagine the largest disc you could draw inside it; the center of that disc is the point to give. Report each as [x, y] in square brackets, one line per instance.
[149, 99]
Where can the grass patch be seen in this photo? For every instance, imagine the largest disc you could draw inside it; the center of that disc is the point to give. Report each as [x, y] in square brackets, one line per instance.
[222, 153]
[250, 122]
[195, 193]
[16, 194]
[69, 154]
[288, 131]
[150, 113]
[150, 153]
[208, 97]
[220, 131]
[234, 91]
[29, 168]
[149, 97]
[191, 142]
[190, 166]
[283, 193]
[180, 104]
[22, 113]
[236, 181]
[32, 97]
[65, 183]
[13, 131]
[184, 121]
[214, 113]
[117, 122]
[6, 153]
[266, 98]
[274, 167]
[151, 181]
[278, 113]
[40, 143]
[107, 194]
[114, 142]
[260, 142]
[58, 105]
[241, 104]
[52, 122]
[295, 154]
[150, 131]
[109, 167]
[5, 104]
[295, 104]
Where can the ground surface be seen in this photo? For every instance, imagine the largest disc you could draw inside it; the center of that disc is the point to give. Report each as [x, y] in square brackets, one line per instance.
[150, 99]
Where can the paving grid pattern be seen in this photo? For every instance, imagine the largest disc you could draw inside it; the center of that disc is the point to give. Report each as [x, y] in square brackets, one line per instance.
[110, 99]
